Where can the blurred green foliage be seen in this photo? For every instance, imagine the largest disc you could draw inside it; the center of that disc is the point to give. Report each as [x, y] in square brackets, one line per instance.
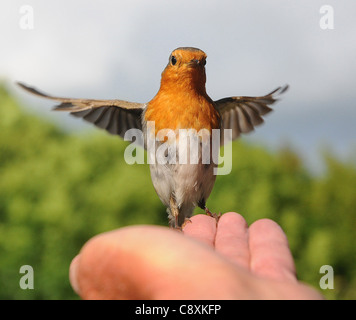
[57, 190]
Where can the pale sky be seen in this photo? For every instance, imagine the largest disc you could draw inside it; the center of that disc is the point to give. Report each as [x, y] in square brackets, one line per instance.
[118, 49]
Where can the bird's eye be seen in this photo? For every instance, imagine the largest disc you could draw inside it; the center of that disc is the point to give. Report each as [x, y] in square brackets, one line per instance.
[173, 60]
[203, 62]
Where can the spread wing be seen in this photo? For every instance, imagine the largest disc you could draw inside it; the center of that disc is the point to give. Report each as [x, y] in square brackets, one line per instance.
[242, 114]
[115, 116]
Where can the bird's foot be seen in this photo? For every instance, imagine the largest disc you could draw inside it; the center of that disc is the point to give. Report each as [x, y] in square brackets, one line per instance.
[216, 216]
[177, 228]
[180, 228]
[186, 221]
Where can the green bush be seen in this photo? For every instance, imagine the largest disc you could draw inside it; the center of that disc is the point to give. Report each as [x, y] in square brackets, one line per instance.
[57, 190]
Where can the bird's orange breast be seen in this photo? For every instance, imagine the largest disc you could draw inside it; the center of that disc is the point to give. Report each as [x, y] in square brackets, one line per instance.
[182, 110]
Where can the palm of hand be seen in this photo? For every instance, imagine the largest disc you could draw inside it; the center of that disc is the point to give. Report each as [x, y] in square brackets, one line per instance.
[228, 260]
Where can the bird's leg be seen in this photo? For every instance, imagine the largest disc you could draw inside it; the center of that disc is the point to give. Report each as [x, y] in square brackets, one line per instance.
[216, 216]
[186, 221]
[175, 213]
[203, 206]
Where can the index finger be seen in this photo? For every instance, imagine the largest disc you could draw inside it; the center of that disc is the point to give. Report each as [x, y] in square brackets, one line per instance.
[202, 228]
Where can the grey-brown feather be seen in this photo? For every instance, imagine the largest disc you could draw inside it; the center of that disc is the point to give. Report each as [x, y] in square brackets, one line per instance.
[115, 116]
[242, 114]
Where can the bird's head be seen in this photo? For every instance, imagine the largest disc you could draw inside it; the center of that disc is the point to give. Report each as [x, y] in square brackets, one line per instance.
[185, 70]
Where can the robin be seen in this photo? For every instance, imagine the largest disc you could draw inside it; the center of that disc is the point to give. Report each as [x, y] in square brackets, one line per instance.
[181, 103]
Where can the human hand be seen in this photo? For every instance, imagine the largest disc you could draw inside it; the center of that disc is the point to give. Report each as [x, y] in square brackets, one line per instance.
[228, 260]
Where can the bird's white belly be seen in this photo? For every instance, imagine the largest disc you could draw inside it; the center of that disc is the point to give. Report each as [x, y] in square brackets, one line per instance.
[188, 183]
